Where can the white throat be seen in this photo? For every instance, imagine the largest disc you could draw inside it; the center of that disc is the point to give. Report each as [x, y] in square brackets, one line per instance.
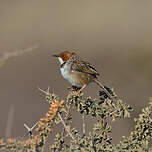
[60, 60]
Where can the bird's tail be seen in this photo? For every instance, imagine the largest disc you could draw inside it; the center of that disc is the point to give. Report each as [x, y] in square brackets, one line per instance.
[104, 89]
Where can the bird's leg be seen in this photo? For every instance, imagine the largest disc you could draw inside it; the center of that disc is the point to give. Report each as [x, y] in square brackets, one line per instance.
[84, 86]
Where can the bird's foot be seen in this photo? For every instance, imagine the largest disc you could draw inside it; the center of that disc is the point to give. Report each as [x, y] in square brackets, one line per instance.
[73, 88]
[79, 90]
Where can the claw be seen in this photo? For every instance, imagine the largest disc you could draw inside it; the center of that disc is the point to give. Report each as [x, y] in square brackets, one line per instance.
[71, 88]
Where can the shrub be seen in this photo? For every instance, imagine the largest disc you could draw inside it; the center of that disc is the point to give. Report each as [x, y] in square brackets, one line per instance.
[98, 139]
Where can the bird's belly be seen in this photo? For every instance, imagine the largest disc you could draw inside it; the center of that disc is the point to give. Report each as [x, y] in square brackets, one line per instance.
[68, 76]
[76, 78]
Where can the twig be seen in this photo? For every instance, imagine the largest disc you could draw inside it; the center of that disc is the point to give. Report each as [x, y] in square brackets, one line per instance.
[67, 116]
[68, 131]
[66, 122]
[83, 126]
[113, 112]
[104, 123]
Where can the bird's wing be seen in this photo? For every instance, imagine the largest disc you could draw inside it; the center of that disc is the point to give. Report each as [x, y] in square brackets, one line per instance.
[79, 65]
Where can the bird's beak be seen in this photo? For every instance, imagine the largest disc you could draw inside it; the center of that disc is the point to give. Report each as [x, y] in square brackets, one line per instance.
[55, 55]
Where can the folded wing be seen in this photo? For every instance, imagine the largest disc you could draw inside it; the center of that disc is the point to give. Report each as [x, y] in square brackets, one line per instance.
[84, 67]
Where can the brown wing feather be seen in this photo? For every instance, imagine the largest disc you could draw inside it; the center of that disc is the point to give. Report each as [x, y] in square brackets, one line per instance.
[79, 65]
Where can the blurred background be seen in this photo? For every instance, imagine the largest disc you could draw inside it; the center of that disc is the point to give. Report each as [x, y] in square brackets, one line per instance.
[114, 36]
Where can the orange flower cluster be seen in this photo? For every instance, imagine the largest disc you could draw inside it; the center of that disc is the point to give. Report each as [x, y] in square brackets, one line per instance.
[11, 140]
[44, 123]
[2, 143]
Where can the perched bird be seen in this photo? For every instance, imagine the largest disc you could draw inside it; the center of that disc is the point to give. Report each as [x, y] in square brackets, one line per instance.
[78, 72]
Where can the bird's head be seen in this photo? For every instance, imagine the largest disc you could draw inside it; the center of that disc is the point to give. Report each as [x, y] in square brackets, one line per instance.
[63, 56]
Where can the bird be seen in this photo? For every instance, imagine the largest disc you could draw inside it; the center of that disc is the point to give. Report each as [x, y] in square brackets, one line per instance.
[78, 72]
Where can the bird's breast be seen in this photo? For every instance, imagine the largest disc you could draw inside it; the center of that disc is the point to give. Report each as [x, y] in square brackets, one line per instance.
[65, 71]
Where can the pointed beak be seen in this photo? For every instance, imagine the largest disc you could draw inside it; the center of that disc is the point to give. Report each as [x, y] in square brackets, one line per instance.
[55, 55]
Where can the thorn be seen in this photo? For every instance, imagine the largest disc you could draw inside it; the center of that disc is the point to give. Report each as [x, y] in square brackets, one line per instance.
[46, 92]
[30, 130]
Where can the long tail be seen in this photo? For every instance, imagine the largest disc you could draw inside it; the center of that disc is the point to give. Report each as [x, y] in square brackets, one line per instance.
[103, 88]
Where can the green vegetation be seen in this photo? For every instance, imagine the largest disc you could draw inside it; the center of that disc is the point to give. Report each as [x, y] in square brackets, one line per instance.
[70, 139]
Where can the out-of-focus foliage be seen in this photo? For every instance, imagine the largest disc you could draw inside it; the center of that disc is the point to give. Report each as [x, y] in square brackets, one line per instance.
[98, 139]
[7, 55]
